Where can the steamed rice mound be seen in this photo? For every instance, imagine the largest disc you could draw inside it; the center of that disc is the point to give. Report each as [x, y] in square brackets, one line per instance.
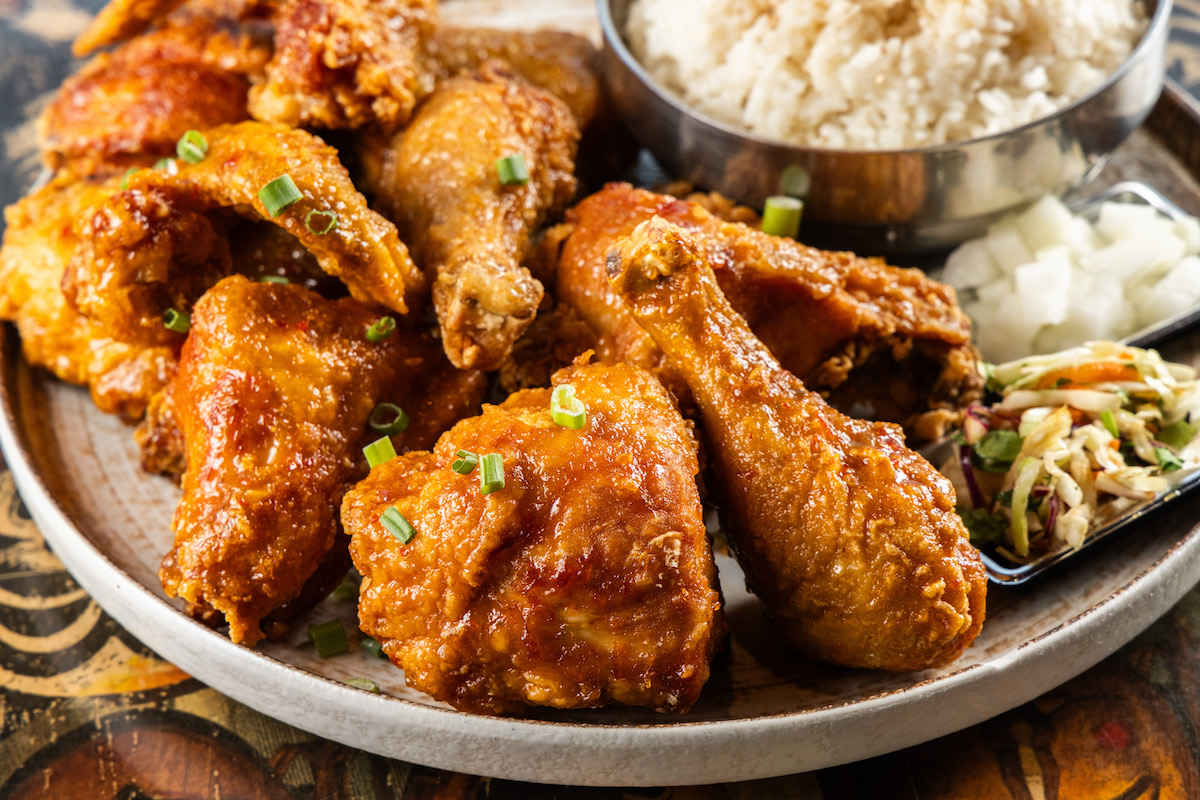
[882, 74]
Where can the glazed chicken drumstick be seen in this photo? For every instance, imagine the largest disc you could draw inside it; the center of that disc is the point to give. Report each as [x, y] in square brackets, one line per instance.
[849, 538]
[468, 230]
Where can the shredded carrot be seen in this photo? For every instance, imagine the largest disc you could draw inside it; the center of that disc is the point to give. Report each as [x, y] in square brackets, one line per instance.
[1088, 374]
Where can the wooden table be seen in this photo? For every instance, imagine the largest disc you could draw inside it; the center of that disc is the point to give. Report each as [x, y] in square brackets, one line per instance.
[86, 711]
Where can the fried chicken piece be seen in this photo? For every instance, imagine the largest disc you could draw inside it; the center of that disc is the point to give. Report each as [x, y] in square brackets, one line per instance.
[273, 394]
[438, 180]
[120, 20]
[38, 242]
[878, 341]
[345, 63]
[849, 538]
[563, 64]
[587, 579]
[161, 242]
[129, 107]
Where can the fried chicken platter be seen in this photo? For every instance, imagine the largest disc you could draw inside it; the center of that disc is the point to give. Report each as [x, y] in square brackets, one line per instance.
[406, 359]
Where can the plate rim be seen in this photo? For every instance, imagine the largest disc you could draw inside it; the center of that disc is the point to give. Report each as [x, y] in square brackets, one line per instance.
[634, 754]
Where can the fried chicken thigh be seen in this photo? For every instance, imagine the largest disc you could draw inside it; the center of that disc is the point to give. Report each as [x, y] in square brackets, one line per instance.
[344, 63]
[161, 242]
[878, 341]
[587, 579]
[273, 394]
[438, 181]
[849, 538]
[129, 107]
[39, 241]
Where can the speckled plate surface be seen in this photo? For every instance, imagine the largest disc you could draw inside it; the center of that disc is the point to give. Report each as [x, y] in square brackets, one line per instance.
[764, 712]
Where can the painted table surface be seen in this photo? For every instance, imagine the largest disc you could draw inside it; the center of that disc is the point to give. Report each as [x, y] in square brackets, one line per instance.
[87, 711]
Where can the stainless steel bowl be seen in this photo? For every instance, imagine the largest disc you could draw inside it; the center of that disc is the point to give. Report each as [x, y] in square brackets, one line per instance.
[890, 201]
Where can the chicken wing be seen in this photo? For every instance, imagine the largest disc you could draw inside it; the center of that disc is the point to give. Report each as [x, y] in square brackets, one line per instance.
[438, 180]
[274, 391]
[38, 242]
[878, 341]
[587, 579]
[345, 63]
[120, 20]
[129, 107]
[160, 242]
[849, 538]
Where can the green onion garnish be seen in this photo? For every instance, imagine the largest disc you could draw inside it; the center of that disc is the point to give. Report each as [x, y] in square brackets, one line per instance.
[1168, 461]
[178, 321]
[491, 473]
[512, 170]
[347, 589]
[275, 279]
[567, 409]
[1109, 422]
[388, 418]
[168, 165]
[466, 462]
[381, 329]
[192, 147]
[397, 525]
[329, 637]
[379, 451]
[372, 647]
[319, 229]
[279, 195]
[363, 683]
[1177, 435]
[128, 174]
[781, 216]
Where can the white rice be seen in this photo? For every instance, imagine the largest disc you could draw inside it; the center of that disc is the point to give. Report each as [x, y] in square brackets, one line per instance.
[882, 74]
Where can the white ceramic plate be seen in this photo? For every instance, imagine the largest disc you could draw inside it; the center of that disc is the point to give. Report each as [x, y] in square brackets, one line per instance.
[764, 712]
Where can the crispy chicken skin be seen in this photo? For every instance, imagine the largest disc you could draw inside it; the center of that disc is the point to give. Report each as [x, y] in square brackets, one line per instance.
[345, 63]
[588, 579]
[557, 62]
[120, 20]
[129, 107]
[849, 538]
[38, 242]
[161, 242]
[823, 315]
[272, 397]
[438, 181]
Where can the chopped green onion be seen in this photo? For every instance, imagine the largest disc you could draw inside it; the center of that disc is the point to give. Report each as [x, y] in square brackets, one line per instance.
[1109, 422]
[466, 462]
[168, 165]
[363, 683]
[192, 147]
[397, 525]
[275, 279]
[512, 170]
[491, 473]
[347, 589]
[178, 321]
[567, 409]
[372, 647]
[329, 637]
[279, 195]
[128, 174]
[1168, 461]
[324, 229]
[795, 181]
[381, 329]
[388, 418]
[379, 451]
[781, 216]
[1177, 435]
